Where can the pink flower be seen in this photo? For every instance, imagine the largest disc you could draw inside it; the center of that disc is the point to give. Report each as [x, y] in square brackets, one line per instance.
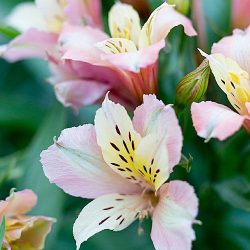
[41, 22]
[212, 120]
[21, 231]
[131, 53]
[240, 13]
[124, 165]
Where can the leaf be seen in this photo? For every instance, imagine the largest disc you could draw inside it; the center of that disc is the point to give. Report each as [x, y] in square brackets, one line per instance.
[186, 162]
[2, 231]
[8, 31]
[235, 192]
[50, 198]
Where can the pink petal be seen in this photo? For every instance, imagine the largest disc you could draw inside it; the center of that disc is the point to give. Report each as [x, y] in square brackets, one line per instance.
[161, 21]
[236, 47]
[213, 120]
[76, 165]
[18, 203]
[173, 217]
[87, 12]
[134, 61]
[78, 43]
[32, 43]
[79, 93]
[154, 116]
[240, 13]
[114, 212]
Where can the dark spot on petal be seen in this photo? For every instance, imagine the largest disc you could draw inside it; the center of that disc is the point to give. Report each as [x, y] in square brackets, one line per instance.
[108, 208]
[121, 221]
[223, 81]
[121, 169]
[104, 220]
[158, 171]
[145, 169]
[141, 172]
[118, 217]
[129, 169]
[154, 181]
[137, 214]
[132, 159]
[125, 145]
[115, 164]
[129, 136]
[150, 170]
[114, 146]
[133, 178]
[133, 145]
[123, 158]
[232, 85]
[119, 199]
[152, 162]
[155, 175]
[117, 130]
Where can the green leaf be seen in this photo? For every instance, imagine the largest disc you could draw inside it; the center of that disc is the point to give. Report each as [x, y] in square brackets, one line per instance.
[235, 192]
[50, 198]
[8, 31]
[2, 231]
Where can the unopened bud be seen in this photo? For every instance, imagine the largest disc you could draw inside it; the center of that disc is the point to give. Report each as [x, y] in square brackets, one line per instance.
[181, 6]
[193, 86]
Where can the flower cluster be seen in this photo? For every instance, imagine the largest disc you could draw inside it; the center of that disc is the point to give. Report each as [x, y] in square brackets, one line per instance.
[124, 164]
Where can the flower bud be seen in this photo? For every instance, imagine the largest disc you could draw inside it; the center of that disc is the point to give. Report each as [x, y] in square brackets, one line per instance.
[193, 86]
[181, 6]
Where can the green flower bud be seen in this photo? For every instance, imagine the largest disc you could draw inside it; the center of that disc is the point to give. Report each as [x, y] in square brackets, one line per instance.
[181, 6]
[193, 86]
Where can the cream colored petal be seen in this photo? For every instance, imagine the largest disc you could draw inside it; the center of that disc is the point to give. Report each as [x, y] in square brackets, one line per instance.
[124, 22]
[232, 79]
[151, 159]
[116, 46]
[114, 212]
[118, 139]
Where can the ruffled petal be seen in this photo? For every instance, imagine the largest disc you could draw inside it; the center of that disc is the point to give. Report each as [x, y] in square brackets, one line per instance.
[154, 117]
[29, 231]
[32, 43]
[113, 212]
[236, 47]
[212, 120]
[173, 217]
[117, 139]
[160, 23]
[79, 93]
[134, 60]
[75, 164]
[78, 43]
[25, 16]
[18, 203]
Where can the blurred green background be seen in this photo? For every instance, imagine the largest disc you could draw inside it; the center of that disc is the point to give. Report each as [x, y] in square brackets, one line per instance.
[30, 116]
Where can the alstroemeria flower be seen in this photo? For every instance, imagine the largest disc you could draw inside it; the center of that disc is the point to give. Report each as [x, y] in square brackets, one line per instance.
[131, 52]
[214, 120]
[40, 23]
[22, 231]
[124, 165]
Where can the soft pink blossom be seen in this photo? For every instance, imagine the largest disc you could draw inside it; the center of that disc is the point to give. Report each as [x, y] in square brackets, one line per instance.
[131, 52]
[212, 120]
[124, 166]
[22, 231]
[40, 23]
